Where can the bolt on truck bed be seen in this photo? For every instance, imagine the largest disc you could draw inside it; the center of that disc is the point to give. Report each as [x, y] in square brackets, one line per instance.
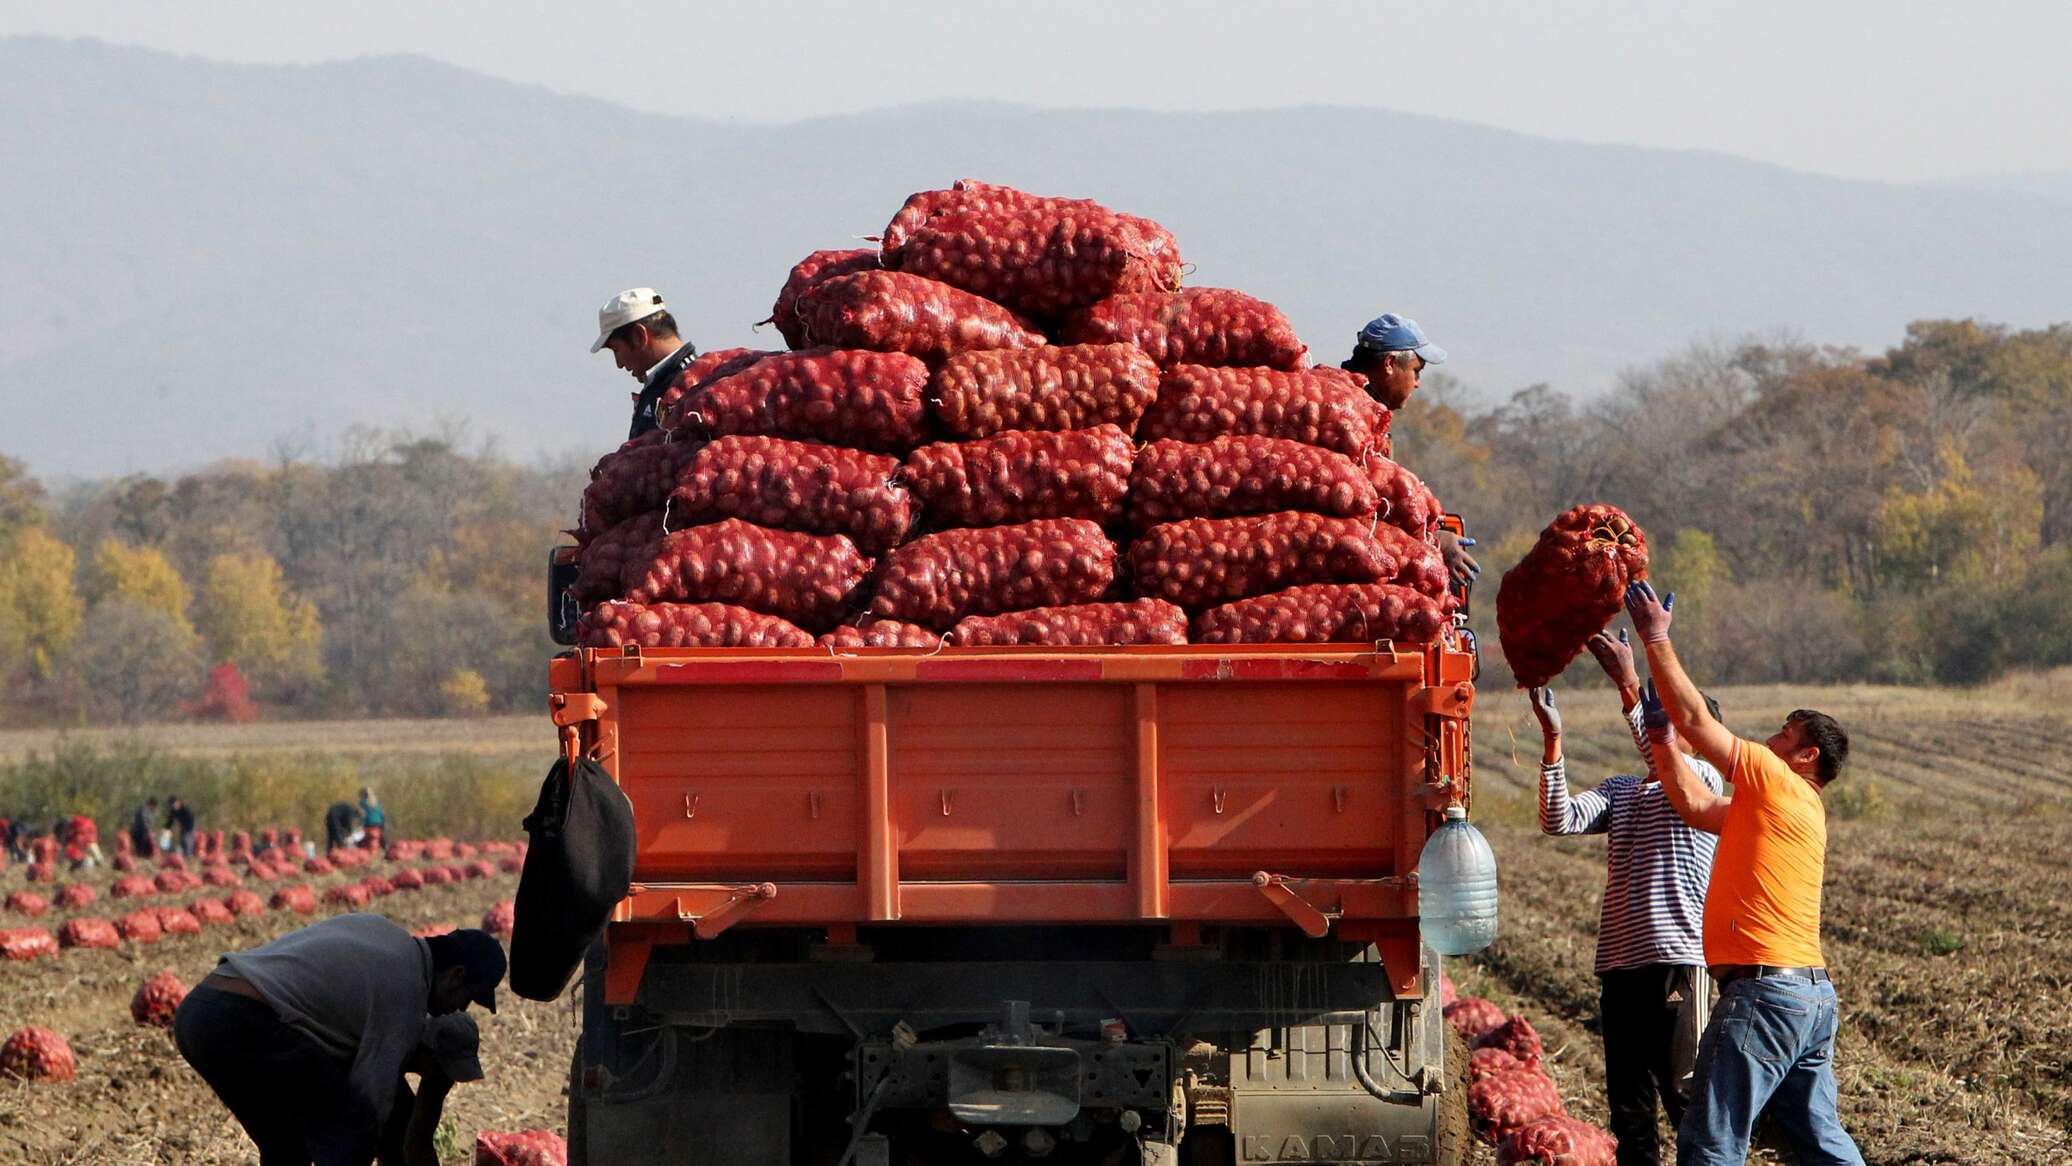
[1281, 786]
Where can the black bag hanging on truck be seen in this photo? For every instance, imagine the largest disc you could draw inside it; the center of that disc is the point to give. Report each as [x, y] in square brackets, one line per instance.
[577, 867]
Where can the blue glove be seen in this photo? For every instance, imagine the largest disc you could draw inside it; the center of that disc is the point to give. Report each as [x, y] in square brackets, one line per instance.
[1652, 714]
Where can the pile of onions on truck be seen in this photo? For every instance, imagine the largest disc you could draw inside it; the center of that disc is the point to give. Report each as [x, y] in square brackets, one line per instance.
[1010, 424]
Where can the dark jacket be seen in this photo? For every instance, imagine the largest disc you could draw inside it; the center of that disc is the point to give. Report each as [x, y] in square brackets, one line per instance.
[659, 378]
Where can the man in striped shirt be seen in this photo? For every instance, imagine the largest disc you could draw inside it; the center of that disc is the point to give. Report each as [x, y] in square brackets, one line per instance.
[1650, 951]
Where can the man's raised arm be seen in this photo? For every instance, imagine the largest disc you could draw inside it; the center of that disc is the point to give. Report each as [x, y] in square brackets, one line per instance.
[1651, 617]
[1695, 803]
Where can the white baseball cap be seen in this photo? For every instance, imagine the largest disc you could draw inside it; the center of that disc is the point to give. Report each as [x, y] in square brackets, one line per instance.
[636, 303]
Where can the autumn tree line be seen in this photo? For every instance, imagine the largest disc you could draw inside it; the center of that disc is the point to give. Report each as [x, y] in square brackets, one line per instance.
[1823, 515]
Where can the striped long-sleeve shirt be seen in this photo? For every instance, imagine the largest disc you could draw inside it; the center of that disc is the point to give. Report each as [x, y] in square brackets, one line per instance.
[1656, 867]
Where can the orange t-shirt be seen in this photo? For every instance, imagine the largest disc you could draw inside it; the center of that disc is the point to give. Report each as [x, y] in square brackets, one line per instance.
[1763, 906]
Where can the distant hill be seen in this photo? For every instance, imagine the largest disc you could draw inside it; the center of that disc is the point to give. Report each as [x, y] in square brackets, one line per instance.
[203, 259]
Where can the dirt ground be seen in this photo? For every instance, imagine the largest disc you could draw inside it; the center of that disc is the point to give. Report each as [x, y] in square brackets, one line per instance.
[1948, 929]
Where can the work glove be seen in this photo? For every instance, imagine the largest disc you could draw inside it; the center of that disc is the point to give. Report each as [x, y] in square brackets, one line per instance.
[1650, 614]
[1653, 717]
[1543, 707]
[1615, 656]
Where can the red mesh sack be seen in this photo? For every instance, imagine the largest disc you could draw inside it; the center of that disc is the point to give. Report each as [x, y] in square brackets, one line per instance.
[1502, 1102]
[1232, 476]
[76, 896]
[940, 579]
[27, 943]
[177, 921]
[132, 887]
[970, 196]
[1326, 407]
[687, 625]
[1447, 992]
[1043, 257]
[795, 485]
[1487, 1062]
[87, 931]
[349, 895]
[1201, 562]
[1515, 1036]
[140, 927]
[1421, 567]
[156, 1000]
[1567, 589]
[1471, 1016]
[1019, 476]
[892, 311]
[842, 396]
[1074, 386]
[436, 876]
[524, 1148]
[1405, 502]
[1197, 325]
[601, 567]
[871, 632]
[818, 266]
[299, 899]
[631, 480]
[407, 880]
[210, 913]
[27, 903]
[805, 578]
[723, 362]
[501, 918]
[1556, 1140]
[1323, 613]
[1142, 621]
[35, 1053]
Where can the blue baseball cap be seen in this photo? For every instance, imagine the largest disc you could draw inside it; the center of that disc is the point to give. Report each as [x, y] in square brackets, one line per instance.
[1393, 333]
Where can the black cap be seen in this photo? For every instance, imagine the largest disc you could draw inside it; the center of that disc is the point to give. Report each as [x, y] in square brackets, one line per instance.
[479, 953]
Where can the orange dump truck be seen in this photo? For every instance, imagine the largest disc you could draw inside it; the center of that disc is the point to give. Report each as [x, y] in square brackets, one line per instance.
[1146, 904]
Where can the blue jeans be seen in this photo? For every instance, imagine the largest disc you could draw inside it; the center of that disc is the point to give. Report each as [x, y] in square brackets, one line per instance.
[1771, 1044]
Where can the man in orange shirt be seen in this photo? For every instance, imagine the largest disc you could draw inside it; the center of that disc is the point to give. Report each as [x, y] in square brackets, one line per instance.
[1771, 1042]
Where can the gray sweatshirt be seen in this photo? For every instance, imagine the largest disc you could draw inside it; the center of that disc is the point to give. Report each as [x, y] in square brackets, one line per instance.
[358, 985]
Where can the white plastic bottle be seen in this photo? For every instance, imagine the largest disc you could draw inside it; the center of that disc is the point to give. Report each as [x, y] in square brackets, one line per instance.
[1456, 888]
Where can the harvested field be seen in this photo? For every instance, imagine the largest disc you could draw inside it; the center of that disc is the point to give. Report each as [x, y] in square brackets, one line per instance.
[1949, 920]
[1948, 910]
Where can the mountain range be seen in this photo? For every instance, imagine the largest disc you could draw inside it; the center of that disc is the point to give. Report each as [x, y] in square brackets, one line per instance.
[207, 260]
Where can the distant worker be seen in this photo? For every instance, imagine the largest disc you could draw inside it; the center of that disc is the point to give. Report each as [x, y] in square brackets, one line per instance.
[307, 1038]
[642, 336]
[372, 818]
[1392, 353]
[81, 837]
[1771, 1044]
[179, 818]
[141, 841]
[341, 821]
[1654, 992]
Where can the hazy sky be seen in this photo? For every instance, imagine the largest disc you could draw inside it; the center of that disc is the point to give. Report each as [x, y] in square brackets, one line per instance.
[1889, 89]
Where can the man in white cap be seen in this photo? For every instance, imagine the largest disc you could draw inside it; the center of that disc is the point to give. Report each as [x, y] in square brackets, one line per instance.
[642, 336]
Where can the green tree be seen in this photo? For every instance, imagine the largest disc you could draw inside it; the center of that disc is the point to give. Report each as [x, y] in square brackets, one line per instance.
[1692, 566]
[247, 616]
[39, 610]
[131, 662]
[1958, 528]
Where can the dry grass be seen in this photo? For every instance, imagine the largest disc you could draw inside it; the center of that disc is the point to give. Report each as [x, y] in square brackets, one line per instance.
[530, 734]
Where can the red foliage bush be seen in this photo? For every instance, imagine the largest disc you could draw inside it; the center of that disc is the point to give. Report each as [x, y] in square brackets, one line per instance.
[893, 311]
[1022, 475]
[941, 578]
[1202, 562]
[226, 696]
[841, 396]
[687, 625]
[1077, 386]
[1567, 589]
[1323, 613]
[1230, 476]
[1197, 325]
[795, 485]
[1327, 407]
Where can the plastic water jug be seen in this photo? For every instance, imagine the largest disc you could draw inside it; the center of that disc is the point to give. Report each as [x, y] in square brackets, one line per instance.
[1456, 888]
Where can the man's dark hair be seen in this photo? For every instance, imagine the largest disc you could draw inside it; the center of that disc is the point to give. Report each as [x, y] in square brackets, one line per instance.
[658, 324]
[1824, 733]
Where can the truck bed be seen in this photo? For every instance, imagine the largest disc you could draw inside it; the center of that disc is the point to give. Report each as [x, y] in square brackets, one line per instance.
[1281, 785]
